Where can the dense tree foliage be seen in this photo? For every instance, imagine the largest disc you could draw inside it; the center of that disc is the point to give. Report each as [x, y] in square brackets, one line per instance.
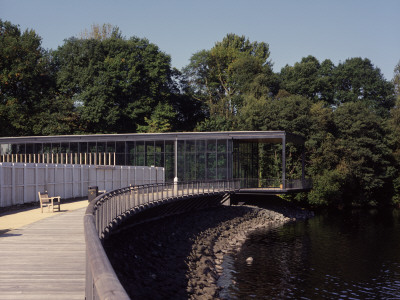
[29, 101]
[102, 82]
[223, 76]
[113, 81]
[310, 78]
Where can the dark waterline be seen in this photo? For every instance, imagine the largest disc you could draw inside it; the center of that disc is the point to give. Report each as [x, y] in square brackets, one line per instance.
[342, 255]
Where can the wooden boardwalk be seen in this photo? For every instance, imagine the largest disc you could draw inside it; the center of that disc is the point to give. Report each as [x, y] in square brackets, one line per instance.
[44, 260]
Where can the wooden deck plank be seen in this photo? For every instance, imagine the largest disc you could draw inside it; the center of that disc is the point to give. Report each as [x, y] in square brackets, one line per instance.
[44, 260]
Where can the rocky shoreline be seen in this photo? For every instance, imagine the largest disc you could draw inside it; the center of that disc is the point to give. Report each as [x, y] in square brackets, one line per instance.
[180, 257]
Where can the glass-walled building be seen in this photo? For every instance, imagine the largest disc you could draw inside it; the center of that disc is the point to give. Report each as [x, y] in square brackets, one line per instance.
[185, 156]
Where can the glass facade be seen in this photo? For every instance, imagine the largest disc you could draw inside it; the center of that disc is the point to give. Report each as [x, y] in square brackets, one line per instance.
[197, 159]
[187, 156]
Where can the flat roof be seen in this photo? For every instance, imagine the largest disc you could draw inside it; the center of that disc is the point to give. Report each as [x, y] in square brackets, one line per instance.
[250, 136]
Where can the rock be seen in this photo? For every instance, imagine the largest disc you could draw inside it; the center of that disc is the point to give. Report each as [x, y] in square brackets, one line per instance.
[155, 265]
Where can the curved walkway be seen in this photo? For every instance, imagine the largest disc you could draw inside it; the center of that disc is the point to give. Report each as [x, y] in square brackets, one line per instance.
[44, 259]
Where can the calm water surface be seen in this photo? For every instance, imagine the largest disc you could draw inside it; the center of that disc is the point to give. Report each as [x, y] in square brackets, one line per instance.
[342, 255]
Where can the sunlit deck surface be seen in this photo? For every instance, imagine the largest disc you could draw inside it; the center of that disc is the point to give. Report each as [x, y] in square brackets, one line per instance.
[44, 260]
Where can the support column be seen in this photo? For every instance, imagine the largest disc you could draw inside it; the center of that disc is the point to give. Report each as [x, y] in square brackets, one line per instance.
[176, 160]
[284, 162]
[176, 167]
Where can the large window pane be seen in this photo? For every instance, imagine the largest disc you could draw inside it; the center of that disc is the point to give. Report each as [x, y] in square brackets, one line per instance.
[120, 159]
[55, 148]
[211, 166]
[140, 147]
[169, 146]
[73, 147]
[169, 167]
[181, 146]
[150, 159]
[222, 163]
[200, 146]
[181, 166]
[159, 146]
[200, 166]
[140, 159]
[120, 147]
[190, 146]
[37, 148]
[221, 145]
[47, 148]
[29, 149]
[92, 147]
[150, 147]
[190, 166]
[211, 145]
[101, 147]
[159, 159]
[110, 147]
[64, 148]
[130, 147]
[131, 160]
[83, 147]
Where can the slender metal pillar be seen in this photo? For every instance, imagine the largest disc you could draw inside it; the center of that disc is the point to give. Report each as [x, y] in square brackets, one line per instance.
[176, 160]
[284, 162]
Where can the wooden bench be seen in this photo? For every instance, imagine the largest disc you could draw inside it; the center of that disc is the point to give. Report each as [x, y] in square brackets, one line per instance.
[45, 200]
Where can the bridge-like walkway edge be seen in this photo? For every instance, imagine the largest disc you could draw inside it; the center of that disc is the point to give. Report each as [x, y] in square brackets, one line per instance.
[271, 191]
[44, 260]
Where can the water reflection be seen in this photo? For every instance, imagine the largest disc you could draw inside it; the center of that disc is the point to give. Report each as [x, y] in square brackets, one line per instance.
[342, 255]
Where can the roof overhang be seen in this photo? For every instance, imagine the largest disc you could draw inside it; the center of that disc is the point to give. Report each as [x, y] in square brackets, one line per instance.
[245, 136]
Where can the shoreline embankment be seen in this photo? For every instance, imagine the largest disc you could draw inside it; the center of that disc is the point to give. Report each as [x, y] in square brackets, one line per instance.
[181, 256]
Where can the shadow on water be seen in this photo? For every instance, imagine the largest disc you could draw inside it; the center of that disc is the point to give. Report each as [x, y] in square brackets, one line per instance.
[149, 258]
[351, 254]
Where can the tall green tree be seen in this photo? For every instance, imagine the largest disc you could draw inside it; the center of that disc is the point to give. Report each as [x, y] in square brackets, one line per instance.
[394, 121]
[29, 102]
[309, 78]
[160, 120]
[358, 79]
[365, 158]
[115, 82]
[222, 75]
[394, 133]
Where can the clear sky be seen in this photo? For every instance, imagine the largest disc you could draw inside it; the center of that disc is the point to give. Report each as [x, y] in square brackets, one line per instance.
[333, 29]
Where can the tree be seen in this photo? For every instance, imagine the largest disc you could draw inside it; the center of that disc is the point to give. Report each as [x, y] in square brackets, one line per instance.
[394, 121]
[160, 120]
[310, 79]
[396, 80]
[115, 83]
[189, 111]
[364, 155]
[394, 134]
[101, 32]
[233, 67]
[29, 103]
[358, 79]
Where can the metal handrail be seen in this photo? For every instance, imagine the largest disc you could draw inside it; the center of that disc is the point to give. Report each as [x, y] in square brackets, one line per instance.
[109, 209]
[276, 183]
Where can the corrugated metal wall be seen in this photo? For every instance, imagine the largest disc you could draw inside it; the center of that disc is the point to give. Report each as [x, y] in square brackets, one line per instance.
[20, 182]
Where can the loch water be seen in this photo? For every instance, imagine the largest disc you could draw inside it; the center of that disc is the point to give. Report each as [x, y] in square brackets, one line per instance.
[353, 254]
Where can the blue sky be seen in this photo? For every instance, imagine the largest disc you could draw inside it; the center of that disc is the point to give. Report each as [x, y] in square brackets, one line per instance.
[336, 30]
